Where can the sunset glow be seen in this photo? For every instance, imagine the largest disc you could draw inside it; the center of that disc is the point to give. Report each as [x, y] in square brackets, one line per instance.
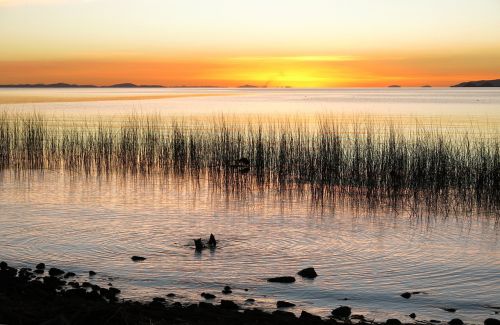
[231, 43]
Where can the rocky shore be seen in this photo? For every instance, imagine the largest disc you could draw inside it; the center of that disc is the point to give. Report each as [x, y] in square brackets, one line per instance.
[52, 296]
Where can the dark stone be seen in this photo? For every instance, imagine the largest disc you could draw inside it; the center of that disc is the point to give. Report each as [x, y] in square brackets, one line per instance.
[171, 295]
[393, 321]
[341, 312]
[3, 265]
[115, 291]
[359, 317]
[137, 258]
[435, 321]
[456, 321]
[416, 292]
[159, 299]
[450, 310]
[207, 295]
[198, 244]
[40, 266]
[69, 274]
[309, 318]
[282, 279]
[284, 304]
[86, 284]
[206, 306]
[212, 242]
[406, 295]
[53, 282]
[227, 290]
[74, 284]
[250, 300]
[55, 271]
[413, 316]
[39, 271]
[176, 304]
[228, 304]
[284, 316]
[491, 321]
[92, 273]
[309, 273]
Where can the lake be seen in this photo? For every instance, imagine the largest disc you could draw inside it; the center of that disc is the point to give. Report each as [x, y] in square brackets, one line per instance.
[365, 255]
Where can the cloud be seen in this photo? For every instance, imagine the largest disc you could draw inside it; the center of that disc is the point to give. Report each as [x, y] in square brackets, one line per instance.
[301, 58]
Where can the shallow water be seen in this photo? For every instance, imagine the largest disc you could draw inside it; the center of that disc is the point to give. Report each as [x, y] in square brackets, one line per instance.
[370, 258]
[83, 223]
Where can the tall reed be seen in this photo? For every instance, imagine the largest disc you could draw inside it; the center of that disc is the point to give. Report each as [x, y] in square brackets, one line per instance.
[326, 155]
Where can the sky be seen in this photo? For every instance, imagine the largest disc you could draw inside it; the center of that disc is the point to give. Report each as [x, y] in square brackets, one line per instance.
[227, 43]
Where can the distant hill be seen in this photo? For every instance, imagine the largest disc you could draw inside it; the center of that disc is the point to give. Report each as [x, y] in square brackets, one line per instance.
[480, 83]
[394, 86]
[66, 85]
[248, 86]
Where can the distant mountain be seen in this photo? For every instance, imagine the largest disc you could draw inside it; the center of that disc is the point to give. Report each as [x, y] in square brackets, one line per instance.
[394, 86]
[248, 86]
[66, 85]
[480, 83]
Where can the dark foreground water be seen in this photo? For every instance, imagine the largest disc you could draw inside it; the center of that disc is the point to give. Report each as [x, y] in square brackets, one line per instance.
[369, 256]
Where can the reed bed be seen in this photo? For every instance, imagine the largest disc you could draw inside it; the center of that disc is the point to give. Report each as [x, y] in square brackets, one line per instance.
[325, 156]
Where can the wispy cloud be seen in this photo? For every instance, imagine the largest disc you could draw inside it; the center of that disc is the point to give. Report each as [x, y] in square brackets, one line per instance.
[301, 58]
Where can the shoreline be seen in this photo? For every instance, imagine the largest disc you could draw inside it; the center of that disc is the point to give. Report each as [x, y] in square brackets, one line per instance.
[51, 296]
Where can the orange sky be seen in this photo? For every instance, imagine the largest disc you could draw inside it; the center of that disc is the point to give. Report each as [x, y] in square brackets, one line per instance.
[317, 43]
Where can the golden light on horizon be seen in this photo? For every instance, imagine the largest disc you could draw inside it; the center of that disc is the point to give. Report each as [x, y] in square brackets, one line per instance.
[317, 43]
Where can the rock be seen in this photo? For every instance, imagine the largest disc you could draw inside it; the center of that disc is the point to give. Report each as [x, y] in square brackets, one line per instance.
[40, 266]
[207, 295]
[92, 273]
[74, 284]
[228, 304]
[491, 321]
[393, 321]
[115, 291]
[341, 312]
[86, 284]
[159, 299]
[309, 273]
[206, 306]
[176, 305]
[69, 274]
[137, 258]
[309, 318]
[3, 265]
[282, 279]
[250, 300]
[284, 317]
[39, 271]
[456, 321]
[171, 295]
[413, 316]
[227, 290]
[284, 304]
[198, 244]
[450, 310]
[212, 242]
[359, 317]
[406, 295]
[435, 321]
[55, 271]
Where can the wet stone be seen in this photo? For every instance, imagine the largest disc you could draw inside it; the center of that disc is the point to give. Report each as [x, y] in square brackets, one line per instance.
[406, 295]
[282, 279]
[309, 273]
[341, 312]
[284, 304]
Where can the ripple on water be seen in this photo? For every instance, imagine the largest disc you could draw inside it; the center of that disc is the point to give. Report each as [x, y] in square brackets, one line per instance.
[95, 224]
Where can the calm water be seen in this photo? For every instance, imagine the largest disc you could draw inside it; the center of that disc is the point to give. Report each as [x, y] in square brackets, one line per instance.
[83, 223]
